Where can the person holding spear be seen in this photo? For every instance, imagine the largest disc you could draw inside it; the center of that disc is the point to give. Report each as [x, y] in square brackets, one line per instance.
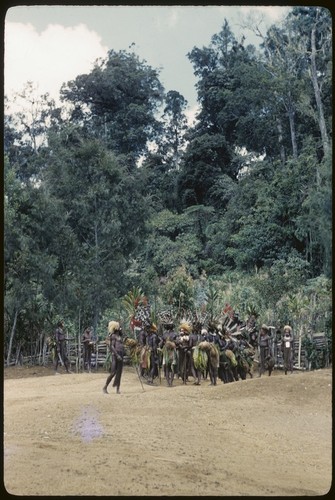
[116, 346]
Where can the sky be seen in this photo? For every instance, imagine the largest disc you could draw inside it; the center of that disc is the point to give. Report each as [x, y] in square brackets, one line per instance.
[50, 45]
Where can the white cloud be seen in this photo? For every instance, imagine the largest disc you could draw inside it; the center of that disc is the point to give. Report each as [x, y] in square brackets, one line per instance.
[162, 36]
[173, 18]
[271, 13]
[50, 58]
[263, 16]
[166, 18]
[191, 113]
[275, 13]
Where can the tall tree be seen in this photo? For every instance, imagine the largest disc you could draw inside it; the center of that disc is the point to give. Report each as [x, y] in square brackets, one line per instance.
[175, 127]
[105, 212]
[206, 160]
[313, 42]
[32, 224]
[118, 100]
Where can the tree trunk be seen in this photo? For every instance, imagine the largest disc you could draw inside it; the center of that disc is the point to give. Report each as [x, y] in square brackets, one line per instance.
[40, 349]
[79, 354]
[291, 114]
[314, 77]
[280, 141]
[44, 354]
[12, 333]
[96, 307]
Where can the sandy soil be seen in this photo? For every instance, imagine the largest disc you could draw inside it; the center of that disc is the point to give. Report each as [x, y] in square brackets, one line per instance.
[268, 436]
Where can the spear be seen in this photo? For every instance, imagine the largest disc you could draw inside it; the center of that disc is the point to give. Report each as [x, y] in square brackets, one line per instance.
[60, 358]
[136, 368]
[159, 372]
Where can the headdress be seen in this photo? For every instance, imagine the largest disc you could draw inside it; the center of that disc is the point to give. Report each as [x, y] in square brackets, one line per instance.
[112, 326]
[185, 326]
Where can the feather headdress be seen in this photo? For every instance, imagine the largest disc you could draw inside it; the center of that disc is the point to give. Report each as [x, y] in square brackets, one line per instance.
[185, 326]
[112, 326]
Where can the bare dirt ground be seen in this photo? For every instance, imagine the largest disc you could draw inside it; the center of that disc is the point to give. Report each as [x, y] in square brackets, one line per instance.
[268, 436]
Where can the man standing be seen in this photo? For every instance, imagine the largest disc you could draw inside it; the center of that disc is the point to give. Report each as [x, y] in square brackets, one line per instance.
[193, 343]
[287, 349]
[183, 350]
[169, 352]
[264, 348]
[88, 344]
[142, 340]
[117, 352]
[61, 355]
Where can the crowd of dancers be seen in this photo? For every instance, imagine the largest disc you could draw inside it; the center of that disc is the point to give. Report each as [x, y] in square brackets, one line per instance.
[193, 352]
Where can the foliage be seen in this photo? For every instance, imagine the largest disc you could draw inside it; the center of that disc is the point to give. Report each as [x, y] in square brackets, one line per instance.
[122, 94]
[122, 195]
[178, 292]
[316, 357]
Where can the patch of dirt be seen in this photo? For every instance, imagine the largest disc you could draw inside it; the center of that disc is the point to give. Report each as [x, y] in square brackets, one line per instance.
[267, 436]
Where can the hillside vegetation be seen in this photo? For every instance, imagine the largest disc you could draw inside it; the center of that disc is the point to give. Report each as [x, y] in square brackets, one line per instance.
[114, 191]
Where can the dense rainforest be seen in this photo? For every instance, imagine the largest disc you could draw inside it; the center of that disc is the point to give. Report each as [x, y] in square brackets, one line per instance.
[114, 195]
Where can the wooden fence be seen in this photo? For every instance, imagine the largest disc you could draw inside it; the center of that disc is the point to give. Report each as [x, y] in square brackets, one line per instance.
[45, 356]
[320, 354]
[98, 358]
[302, 360]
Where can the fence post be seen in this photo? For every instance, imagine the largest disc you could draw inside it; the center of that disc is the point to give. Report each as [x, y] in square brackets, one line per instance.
[299, 350]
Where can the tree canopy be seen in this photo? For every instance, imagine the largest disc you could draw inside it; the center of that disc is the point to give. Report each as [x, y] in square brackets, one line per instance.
[115, 189]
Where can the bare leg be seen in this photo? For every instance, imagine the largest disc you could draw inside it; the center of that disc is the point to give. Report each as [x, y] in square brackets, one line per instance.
[108, 381]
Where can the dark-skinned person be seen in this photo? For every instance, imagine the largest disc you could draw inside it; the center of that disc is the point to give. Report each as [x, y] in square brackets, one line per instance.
[193, 341]
[142, 341]
[116, 346]
[167, 345]
[61, 354]
[264, 348]
[88, 346]
[287, 349]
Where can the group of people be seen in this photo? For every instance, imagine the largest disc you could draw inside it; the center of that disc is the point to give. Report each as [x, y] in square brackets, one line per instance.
[286, 345]
[195, 351]
[192, 351]
[61, 356]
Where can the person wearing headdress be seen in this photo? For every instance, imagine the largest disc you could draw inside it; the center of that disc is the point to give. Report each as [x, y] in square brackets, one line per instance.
[169, 333]
[287, 349]
[185, 329]
[244, 355]
[213, 335]
[264, 347]
[203, 335]
[167, 344]
[142, 337]
[193, 341]
[116, 347]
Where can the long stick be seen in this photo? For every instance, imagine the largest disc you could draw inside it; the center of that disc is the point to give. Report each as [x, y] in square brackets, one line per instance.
[136, 368]
[184, 368]
[60, 359]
